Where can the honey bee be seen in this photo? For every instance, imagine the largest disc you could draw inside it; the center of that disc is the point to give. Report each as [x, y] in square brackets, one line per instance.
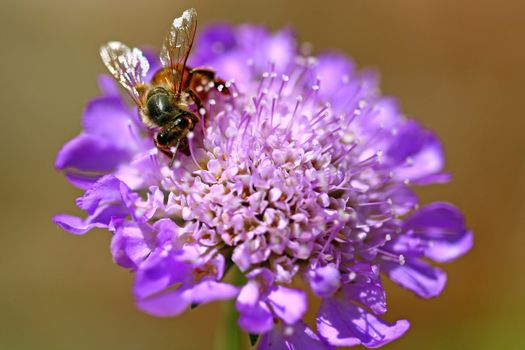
[164, 102]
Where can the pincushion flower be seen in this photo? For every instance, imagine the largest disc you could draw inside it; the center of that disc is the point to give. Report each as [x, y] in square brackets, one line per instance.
[304, 172]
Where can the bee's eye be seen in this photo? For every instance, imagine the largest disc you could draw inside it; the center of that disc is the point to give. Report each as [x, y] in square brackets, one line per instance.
[163, 137]
[182, 123]
[159, 105]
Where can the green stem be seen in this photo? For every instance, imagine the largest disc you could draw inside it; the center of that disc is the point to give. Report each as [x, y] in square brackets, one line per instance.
[231, 336]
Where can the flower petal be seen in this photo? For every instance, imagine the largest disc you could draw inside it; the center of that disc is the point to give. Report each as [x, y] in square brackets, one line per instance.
[91, 153]
[370, 295]
[402, 199]
[449, 248]
[106, 191]
[289, 304]
[442, 227]
[280, 49]
[345, 324]
[255, 319]
[331, 69]
[418, 276]
[82, 181]
[296, 337]
[249, 295]
[325, 280]
[208, 291]
[103, 201]
[159, 272]
[108, 116]
[75, 225]
[107, 85]
[128, 245]
[213, 41]
[167, 304]
[415, 152]
[255, 316]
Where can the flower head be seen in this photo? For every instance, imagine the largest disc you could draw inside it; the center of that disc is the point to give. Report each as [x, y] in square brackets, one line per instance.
[304, 171]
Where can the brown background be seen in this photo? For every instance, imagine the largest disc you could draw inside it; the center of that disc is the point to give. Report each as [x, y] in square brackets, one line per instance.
[456, 65]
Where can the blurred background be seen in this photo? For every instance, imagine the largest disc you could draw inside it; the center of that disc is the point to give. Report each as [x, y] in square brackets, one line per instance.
[455, 65]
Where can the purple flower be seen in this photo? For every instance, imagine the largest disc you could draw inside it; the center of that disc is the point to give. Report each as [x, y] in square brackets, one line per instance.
[303, 172]
[260, 302]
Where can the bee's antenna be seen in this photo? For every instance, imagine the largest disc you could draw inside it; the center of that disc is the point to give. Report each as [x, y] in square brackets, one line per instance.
[173, 150]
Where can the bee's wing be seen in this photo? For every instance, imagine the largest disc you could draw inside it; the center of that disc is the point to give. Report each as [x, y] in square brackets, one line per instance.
[128, 66]
[177, 46]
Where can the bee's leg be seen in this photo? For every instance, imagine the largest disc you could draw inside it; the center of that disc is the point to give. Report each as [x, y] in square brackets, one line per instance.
[173, 151]
[210, 75]
[201, 110]
[195, 99]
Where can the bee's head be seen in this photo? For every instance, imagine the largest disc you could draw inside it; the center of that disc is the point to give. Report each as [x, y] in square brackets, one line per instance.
[174, 131]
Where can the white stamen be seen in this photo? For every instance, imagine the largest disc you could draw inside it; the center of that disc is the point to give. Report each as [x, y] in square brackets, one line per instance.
[165, 171]
[254, 244]
[352, 276]
[348, 138]
[379, 154]
[311, 60]
[288, 331]
[344, 215]
[401, 259]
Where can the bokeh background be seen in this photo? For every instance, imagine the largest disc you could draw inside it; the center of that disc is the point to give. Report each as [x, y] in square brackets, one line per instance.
[456, 65]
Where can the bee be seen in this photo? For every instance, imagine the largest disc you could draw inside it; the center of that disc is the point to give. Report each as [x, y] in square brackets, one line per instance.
[164, 102]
